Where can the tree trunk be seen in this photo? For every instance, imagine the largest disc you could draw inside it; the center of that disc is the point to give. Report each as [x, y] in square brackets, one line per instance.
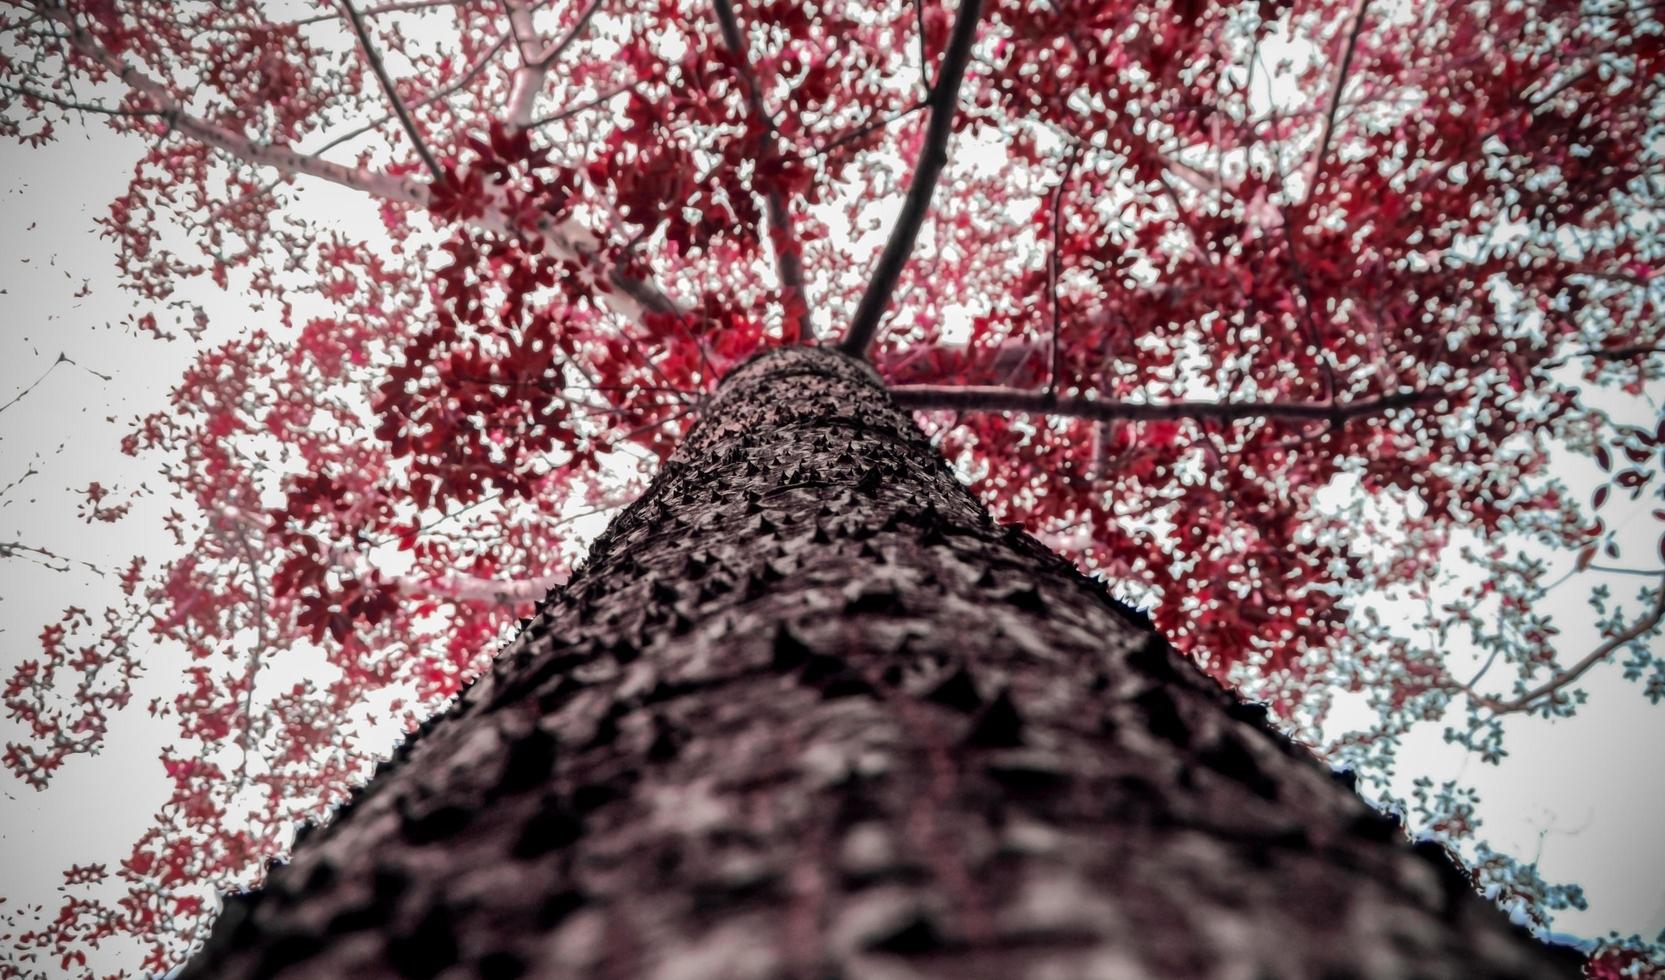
[808, 712]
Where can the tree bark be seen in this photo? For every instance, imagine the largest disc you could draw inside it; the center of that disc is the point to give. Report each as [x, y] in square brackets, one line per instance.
[808, 712]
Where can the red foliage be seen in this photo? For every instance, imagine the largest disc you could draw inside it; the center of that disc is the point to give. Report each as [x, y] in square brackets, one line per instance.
[1296, 206]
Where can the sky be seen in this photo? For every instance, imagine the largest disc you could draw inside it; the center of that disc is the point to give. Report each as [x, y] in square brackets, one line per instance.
[1584, 796]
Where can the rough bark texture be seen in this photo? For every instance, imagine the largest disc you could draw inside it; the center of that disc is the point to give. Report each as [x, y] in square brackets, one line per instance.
[807, 712]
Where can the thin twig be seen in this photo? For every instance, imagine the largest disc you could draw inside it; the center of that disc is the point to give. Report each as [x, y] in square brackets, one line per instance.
[559, 47]
[44, 557]
[1529, 700]
[1304, 292]
[76, 105]
[386, 8]
[667, 420]
[462, 81]
[585, 106]
[863, 130]
[399, 108]
[62, 359]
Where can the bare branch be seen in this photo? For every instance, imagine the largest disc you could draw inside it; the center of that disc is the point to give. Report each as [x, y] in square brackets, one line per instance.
[459, 586]
[1530, 699]
[933, 156]
[782, 238]
[973, 398]
[399, 108]
[1186, 218]
[1615, 570]
[45, 558]
[31, 386]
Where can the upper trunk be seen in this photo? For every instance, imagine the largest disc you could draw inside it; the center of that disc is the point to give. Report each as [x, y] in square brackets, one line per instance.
[808, 712]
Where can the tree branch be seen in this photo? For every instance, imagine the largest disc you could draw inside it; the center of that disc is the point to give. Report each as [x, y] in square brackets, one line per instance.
[459, 586]
[862, 130]
[1052, 270]
[471, 588]
[405, 118]
[1327, 128]
[1527, 701]
[276, 155]
[973, 398]
[462, 81]
[528, 78]
[261, 641]
[782, 238]
[623, 293]
[535, 64]
[31, 386]
[585, 106]
[1616, 570]
[45, 558]
[553, 54]
[376, 11]
[933, 156]
[1622, 353]
[75, 105]
[924, 55]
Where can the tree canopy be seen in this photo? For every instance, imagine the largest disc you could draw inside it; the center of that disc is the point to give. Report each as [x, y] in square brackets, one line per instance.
[1269, 312]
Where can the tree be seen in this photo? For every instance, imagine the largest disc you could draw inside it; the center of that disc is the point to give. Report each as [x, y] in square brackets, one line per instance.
[808, 710]
[1194, 272]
